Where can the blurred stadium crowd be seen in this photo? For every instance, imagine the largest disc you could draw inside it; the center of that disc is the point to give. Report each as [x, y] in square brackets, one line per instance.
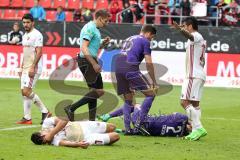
[210, 12]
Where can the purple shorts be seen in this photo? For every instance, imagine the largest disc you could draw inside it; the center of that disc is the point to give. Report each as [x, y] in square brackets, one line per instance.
[129, 77]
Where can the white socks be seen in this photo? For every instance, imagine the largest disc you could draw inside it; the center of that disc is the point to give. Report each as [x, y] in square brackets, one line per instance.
[194, 115]
[37, 101]
[198, 123]
[27, 102]
[27, 107]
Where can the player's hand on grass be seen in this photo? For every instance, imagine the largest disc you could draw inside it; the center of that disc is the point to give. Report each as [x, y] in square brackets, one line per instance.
[31, 72]
[83, 144]
[97, 68]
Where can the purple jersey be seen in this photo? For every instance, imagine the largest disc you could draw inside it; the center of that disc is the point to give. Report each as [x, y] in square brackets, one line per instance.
[127, 65]
[164, 125]
[135, 47]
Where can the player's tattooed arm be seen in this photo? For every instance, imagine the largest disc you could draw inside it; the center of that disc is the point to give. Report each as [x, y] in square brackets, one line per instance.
[150, 69]
[187, 34]
[38, 55]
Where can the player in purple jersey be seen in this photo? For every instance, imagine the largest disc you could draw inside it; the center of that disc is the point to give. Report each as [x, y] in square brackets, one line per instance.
[129, 78]
[172, 125]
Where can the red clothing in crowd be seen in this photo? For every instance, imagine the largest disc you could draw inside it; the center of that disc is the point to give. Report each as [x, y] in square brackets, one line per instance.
[114, 9]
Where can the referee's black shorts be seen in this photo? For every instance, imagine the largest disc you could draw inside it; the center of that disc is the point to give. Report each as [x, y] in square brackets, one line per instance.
[93, 79]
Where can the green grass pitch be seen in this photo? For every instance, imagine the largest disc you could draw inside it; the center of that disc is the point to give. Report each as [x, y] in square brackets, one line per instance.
[220, 116]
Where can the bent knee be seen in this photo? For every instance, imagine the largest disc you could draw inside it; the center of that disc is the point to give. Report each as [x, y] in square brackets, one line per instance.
[184, 103]
[26, 92]
[110, 127]
[100, 92]
[114, 137]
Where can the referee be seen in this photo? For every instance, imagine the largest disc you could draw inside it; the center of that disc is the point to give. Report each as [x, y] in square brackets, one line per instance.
[90, 42]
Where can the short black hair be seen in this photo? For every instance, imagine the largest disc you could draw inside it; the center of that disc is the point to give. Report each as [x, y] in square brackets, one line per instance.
[16, 23]
[191, 21]
[28, 16]
[102, 13]
[149, 28]
[37, 138]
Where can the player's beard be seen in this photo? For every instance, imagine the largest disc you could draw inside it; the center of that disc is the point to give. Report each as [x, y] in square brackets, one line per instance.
[28, 29]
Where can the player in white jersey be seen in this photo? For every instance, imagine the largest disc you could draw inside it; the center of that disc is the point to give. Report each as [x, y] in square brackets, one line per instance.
[77, 133]
[195, 75]
[31, 69]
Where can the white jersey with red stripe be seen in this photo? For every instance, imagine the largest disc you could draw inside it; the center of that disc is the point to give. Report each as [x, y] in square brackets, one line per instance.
[30, 42]
[195, 57]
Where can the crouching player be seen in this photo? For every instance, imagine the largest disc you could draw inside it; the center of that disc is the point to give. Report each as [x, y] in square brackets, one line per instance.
[76, 134]
[172, 125]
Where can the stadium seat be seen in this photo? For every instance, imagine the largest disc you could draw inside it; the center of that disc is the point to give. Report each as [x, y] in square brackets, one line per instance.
[57, 3]
[88, 4]
[145, 3]
[132, 2]
[5, 3]
[20, 13]
[29, 3]
[1, 14]
[45, 3]
[73, 4]
[51, 15]
[9, 14]
[102, 4]
[69, 16]
[120, 2]
[17, 3]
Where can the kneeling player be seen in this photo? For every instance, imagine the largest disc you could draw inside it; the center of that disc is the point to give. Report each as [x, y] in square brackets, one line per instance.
[174, 125]
[76, 134]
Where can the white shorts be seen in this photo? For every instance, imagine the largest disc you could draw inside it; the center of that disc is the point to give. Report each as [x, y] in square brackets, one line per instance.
[95, 132]
[192, 89]
[28, 82]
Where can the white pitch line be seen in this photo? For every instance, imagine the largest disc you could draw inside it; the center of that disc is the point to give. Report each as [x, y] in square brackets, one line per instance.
[224, 119]
[35, 126]
[20, 127]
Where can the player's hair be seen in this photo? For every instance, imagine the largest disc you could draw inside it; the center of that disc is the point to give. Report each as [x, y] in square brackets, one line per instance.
[102, 13]
[191, 21]
[28, 16]
[37, 138]
[149, 28]
[16, 23]
[185, 129]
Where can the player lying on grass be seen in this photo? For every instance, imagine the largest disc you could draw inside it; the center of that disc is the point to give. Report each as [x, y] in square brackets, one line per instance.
[174, 125]
[76, 134]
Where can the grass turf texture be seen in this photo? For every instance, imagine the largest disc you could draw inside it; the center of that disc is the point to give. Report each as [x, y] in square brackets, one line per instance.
[220, 116]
